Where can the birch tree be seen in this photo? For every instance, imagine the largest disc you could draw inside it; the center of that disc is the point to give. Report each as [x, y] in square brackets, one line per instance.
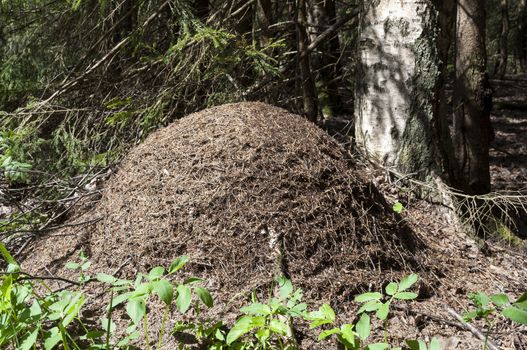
[398, 84]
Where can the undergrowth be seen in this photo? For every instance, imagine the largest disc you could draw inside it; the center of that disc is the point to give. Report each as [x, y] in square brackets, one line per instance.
[35, 316]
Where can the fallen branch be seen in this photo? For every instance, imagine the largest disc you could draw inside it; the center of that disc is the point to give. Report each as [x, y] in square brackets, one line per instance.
[472, 329]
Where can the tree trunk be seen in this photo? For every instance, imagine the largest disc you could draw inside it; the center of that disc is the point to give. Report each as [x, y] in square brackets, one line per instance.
[521, 45]
[501, 62]
[399, 78]
[472, 100]
[263, 14]
[306, 77]
[326, 61]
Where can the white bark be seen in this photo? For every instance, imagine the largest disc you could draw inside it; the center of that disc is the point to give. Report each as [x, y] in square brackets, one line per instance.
[397, 84]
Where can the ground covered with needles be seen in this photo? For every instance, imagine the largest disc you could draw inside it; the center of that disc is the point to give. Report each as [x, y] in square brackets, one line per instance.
[249, 191]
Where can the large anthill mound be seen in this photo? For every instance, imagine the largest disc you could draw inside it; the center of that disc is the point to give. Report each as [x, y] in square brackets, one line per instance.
[232, 185]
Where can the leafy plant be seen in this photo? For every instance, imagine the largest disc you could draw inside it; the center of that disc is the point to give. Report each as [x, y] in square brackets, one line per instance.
[353, 336]
[135, 294]
[211, 334]
[268, 323]
[81, 266]
[28, 318]
[491, 308]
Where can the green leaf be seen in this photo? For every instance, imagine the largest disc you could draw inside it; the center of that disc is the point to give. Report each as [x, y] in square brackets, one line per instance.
[398, 207]
[241, 327]
[164, 289]
[346, 332]
[72, 266]
[278, 327]
[52, 339]
[382, 313]
[193, 280]
[105, 278]
[30, 340]
[285, 287]
[522, 298]
[391, 288]
[205, 296]
[363, 327]
[405, 296]
[5, 253]
[434, 344]
[377, 346]
[500, 299]
[73, 308]
[371, 305]
[515, 314]
[256, 309]
[407, 282]
[104, 324]
[328, 312]
[323, 335]
[263, 335]
[480, 299]
[178, 264]
[361, 298]
[323, 315]
[469, 316]
[120, 299]
[156, 273]
[184, 298]
[136, 309]
[416, 344]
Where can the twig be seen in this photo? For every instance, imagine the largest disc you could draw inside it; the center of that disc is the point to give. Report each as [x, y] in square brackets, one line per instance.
[431, 317]
[472, 329]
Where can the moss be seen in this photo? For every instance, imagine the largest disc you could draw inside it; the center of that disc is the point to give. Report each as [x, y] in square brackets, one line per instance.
[504, 232]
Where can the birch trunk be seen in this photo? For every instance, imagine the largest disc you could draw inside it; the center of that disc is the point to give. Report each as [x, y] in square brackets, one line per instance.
[398, 85]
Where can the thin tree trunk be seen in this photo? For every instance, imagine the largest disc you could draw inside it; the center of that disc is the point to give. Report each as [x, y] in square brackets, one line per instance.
[202, 8]
[472, 100]
[441, 125]
[501, 62]
[321, 16]
[521, 45]
[306, 78]
[263, 14]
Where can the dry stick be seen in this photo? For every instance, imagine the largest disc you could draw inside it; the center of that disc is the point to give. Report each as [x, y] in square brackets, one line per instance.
[431, 317]
[472, 329]
[109, 55]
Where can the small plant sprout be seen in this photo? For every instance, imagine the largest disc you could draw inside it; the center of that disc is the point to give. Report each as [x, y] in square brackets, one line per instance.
[490, 309]
[82, 266]
[380, 304]
[268, 323]
[398, 207]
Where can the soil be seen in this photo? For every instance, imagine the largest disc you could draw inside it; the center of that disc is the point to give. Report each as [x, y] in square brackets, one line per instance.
[225, 184]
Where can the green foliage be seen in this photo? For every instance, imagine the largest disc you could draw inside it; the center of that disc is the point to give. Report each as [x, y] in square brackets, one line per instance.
[267, 325]
[491, 309]
[34, 316]
[354, 336]
[16, 147]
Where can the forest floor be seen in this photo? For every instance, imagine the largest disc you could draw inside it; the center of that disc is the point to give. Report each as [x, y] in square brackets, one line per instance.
[470, 265]
[457, 264]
